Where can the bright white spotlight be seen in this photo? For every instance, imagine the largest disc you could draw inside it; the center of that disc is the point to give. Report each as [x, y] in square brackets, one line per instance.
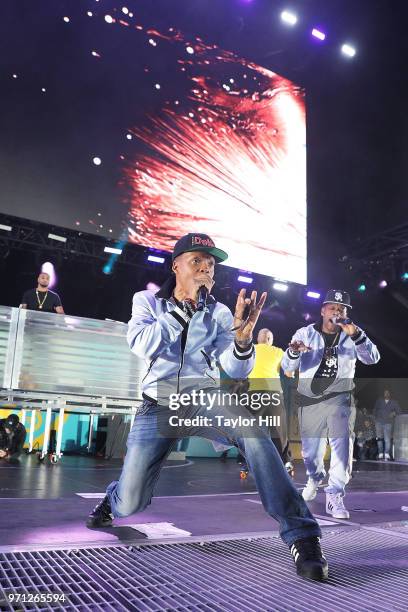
[280, 287]
[315, 295]
[348, 50]
[245, 279]
[289, 18]
[112, 250]
[97, 161]
[155, 259]
[318, 34]
[57, 238]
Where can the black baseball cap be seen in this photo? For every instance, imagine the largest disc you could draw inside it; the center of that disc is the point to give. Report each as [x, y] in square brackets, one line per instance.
[12, 421]
[198, 242]
[337, 296]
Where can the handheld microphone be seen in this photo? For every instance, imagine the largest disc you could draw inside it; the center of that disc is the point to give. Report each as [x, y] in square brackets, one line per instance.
[337, 320]
[202, 298]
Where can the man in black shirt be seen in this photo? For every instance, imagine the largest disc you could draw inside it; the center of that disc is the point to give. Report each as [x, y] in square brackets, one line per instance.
[12, 437]
[42, 298]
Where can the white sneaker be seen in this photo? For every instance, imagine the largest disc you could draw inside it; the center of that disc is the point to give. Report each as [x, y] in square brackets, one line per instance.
[310, 490]
[335, 506]
[387, 457]
[381, 455]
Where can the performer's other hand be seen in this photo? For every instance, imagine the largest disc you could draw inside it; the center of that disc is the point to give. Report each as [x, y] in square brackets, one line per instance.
[245, 326]
[299, 347]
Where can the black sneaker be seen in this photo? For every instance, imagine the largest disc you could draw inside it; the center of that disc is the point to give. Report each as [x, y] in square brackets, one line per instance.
[309, 560]
[101, 515]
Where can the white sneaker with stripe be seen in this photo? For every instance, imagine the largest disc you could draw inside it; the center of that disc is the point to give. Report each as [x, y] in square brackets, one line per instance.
[335, 506]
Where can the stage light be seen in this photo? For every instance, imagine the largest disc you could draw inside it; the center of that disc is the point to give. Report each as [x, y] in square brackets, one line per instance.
[156, 259]
[289, 18]
[245, 279]
[313, 294]
[404, 276]
[116, 251]
[190, 50]
[107, 268]
[109, 19]
[97, 161]
[318, 34]
[66, 19]
[361, 288]
[56, 237]
[280, 287]
[382, 284]
[48, 268]
[125, 10]
[348, 50]
[6, 228]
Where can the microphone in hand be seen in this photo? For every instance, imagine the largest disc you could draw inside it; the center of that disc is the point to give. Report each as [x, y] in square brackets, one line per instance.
[202, 298]
[341, 321]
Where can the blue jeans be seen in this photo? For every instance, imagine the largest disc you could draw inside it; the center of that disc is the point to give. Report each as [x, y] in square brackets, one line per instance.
[384, 431]
[147, 450]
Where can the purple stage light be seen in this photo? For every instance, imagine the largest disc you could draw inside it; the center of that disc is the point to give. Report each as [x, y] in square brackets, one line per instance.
[289, 18]
[313, 294]
[382, 284]
[318, 34]
[280, 286]
[245, 279]
[156, 259]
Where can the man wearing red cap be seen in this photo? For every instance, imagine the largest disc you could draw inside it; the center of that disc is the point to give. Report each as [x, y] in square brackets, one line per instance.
[325, 354]
[182, 332]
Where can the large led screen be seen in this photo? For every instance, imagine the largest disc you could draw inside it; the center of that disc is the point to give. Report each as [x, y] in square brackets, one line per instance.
[125, 121]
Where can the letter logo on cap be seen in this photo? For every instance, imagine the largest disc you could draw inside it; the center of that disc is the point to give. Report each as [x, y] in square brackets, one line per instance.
[206, 242]
[338, 296]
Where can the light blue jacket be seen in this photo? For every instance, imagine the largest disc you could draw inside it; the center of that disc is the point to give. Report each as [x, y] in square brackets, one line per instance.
[348, 352]
[176, 350]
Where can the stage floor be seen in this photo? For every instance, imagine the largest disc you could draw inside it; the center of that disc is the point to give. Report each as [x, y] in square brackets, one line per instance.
[43, 507]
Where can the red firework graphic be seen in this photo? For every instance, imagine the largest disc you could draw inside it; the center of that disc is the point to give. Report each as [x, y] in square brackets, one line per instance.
[228, 160]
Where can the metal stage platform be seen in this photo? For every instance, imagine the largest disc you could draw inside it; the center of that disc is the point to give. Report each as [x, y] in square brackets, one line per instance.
[205, 542]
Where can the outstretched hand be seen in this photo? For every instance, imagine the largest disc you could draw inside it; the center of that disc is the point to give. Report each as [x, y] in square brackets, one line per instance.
[299, 347]
[244, 326]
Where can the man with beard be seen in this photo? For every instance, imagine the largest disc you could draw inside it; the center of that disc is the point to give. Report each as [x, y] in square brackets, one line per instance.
[42, 298]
